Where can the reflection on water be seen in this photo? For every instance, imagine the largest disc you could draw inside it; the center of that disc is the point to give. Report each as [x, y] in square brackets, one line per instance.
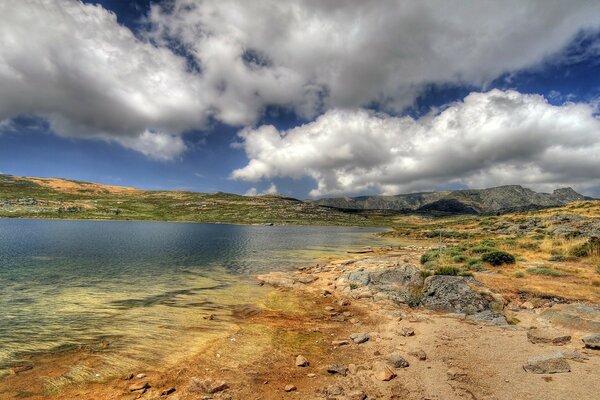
[144, 288]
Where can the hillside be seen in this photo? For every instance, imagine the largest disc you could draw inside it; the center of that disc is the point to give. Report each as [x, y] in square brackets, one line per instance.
[28, 197]
[500, 199]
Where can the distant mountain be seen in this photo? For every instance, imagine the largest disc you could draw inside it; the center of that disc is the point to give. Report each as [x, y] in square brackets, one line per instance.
[501, 199]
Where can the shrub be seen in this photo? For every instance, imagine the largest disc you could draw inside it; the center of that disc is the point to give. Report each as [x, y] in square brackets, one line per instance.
[447, 271]
[598, 269]
[519, 274]
[431, 255]
[580, 251]
[478, 267]
[464, 273]
[557, 258]
[482, 249]
[544, 271]
[488, 243]
[529, 246]
[498, 258]
[461, 258]
[431, 265]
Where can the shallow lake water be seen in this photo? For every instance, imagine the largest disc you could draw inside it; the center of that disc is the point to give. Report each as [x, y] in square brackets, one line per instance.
[140, 291]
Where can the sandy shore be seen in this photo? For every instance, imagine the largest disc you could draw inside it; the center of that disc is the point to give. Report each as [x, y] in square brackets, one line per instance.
[357, 346]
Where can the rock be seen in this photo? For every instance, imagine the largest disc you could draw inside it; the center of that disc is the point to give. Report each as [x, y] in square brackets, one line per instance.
[406, 331]
[455, 373]
[527, 305]
[352, 368]
[573, 355]
[140, 376]
[344, 302]
[357, 395]
[311, 375]
[592, 341]
[290, 388]
[206, 386]
[342, 342]
[548, 336]
[347, 314]
[396, 360]
[395, 282]
[575, 316]
[359, 338]
[128, 377]
[335, 390]
[20, 368]
[364, 295]
[551, 363]
[329, 308]
[277, 279]
[337, 369]
[384, 372]
[457, 294]
[168, 391]
[326, 293]
[307, 279]
[301, 361]
[418, 353]
[139, 387]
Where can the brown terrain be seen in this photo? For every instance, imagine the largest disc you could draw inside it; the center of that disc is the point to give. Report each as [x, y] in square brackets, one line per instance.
[352, 338]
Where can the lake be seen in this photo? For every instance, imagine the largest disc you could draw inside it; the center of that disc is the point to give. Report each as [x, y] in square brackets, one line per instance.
[140, 292]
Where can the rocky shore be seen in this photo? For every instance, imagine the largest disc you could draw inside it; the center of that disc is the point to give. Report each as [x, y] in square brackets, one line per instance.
[374, 326]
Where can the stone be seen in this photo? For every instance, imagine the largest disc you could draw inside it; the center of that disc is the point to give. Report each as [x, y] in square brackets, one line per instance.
[551, 363]
[139, 387]
[290, 388]
[277, 279]
[551, 336]
[311, 375]
[140, 376]
[326, 293]
[206, 386]
[384, 372]
[364, 295]
[455, 373]
[342, 342]
[344, 302]
[527, 305]
[357, 395]
[352, 368]
[418, 353]
[395, 281]
[335, 390]
[329, 308]
[359, 338]
[168, 391]
[337, 369]
[347, 314]
[406, 331]
[20, 368]
[396, 360]
[592, 341]
[307, 279]
[301, 361]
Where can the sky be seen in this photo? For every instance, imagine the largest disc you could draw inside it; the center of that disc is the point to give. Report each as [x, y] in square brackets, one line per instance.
[305, 98]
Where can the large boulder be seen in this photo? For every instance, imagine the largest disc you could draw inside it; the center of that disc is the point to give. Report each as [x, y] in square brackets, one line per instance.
[459, 294]
[395, 282]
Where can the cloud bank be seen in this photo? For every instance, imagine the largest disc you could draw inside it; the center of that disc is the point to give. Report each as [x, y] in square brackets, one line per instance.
[74, 65]
[488, 139]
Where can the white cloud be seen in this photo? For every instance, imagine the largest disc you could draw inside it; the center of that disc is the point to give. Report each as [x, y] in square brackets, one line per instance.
[73, 64]
[488, 139]
[272, 189]
[251, 192]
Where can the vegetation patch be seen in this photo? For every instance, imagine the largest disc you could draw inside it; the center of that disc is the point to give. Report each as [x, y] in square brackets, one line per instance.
[543, 271]
[498, 258]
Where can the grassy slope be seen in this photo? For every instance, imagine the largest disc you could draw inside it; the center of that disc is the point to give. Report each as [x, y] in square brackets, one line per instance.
[58, 198]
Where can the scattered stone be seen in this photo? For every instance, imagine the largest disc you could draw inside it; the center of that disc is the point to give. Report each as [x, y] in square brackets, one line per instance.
[396, 360]
[344, 302]
[307, 279]
[548, 336]
[128, 377]
[20, 368]
[210, 317]
[326, 293]
[329, 308]
[140, 376]
[384, 372]
[335, 390]
[139, 387]
[359, 338]
[352, 368]
[168, 391]
[347, 314]
[455, 373]
[290, 388]
[527, 305]
[311, 375]
[353, 320]
[206, 386]
[357, 395]
[301, 361]
[551, 363]
[364, 295]
[573, 355]
[592, 341]
[337, 369]
[406, 331]
[342, 342]
[418, 353]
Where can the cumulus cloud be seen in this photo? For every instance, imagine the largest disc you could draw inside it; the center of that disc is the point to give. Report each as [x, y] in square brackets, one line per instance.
[488, 139]
[272, 189]
[89, 77]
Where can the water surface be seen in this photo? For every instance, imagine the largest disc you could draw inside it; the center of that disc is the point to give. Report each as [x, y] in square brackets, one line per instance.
[141, 291]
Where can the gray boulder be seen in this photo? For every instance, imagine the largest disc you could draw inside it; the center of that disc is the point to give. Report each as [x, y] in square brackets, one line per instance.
[396, 282]
[551, 363]
[592, 341]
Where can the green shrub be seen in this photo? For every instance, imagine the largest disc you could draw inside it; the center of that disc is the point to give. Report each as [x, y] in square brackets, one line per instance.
[478, 267]
[453, 251]
[447, 271]
[353, 286]
[544, 271]
[431, 265]
[519, 274]
[464, 273]
[580, 251]
[482, 249]
[498, 258]
[488, 243]
[598, 269]
[430, 255]
[461, 258]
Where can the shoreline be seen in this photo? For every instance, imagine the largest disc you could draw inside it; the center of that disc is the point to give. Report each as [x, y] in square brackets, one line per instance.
[448, 356]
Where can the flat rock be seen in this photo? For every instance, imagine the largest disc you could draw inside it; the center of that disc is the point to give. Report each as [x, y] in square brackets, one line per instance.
[337, 369]
[576, 316]
[359, 338]
[139, 387]
[357, 395]
[592, 341]
[20, 368]
[277, 279]
[290, 388]
[455, 373]
[168, 391]
[206, 386]
[418, 353]
[307, 279]
[396, 360]
[301, 361]
[551, 363]
[406, 331]
[394, 281]
[546, 335]
[342, 342]
[384, 372]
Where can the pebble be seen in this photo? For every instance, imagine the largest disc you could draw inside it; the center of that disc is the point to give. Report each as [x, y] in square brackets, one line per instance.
[418, 353]
[337, 369]
[342, 342]
[168, 391]
[329, 308]
[139, 387]
[455, 372]
[207, 386]
[140, 376]
[407, 331]
[290, 388]
[301, 361]
[344, 302]
[352, 368]
[357, 395]
[384, 372]
[396, 360]
[359, 338]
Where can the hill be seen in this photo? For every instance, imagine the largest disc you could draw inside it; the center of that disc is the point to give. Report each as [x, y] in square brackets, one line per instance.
[500, 199]
[30, 197]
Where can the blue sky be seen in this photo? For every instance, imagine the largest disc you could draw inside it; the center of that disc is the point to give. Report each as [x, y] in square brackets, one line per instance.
[307, 131]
